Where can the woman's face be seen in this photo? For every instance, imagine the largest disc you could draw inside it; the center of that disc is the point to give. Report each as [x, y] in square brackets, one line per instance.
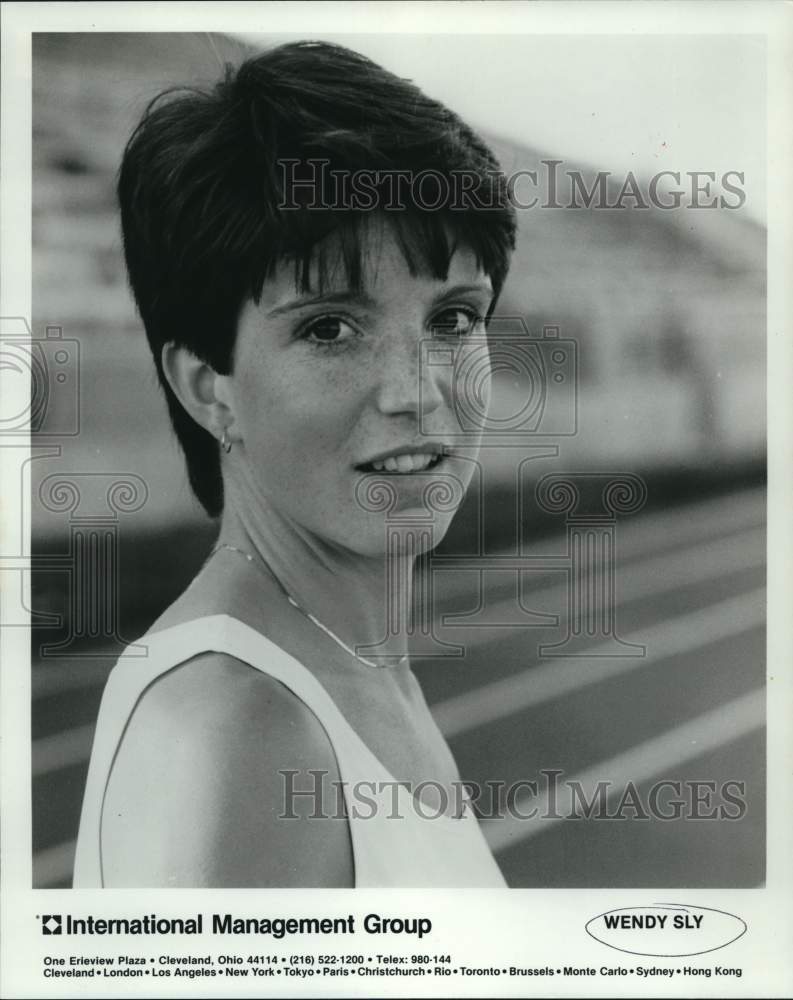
[332, 391]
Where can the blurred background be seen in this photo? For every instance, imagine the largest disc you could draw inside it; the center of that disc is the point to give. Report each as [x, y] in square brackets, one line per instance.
[664, 313]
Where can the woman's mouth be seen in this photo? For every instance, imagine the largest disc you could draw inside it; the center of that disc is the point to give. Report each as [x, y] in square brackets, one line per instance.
[404, 464]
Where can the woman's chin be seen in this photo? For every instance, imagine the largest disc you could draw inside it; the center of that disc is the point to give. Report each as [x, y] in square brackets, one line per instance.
[405, 515]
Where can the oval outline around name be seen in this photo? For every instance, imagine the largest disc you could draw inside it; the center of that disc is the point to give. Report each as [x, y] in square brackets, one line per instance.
[663, 906]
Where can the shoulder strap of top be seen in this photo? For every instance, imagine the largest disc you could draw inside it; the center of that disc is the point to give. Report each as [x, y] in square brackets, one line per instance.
[245, 643]
[169, 648]
[225, 634]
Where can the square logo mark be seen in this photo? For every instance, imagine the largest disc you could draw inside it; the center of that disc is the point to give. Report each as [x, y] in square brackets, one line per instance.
[51, 923]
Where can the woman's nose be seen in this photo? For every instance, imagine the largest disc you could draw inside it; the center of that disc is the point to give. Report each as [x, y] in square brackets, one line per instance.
[408, 384]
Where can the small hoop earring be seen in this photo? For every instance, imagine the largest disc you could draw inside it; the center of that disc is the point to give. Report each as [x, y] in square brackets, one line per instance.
[225, 444]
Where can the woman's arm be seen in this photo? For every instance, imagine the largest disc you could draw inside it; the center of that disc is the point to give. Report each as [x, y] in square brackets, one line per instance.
[196, 797]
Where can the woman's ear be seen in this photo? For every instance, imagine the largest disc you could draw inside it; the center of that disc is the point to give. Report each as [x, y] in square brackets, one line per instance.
[198, 387]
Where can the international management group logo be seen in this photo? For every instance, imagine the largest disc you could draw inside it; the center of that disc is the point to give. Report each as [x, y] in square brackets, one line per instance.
[51, 923]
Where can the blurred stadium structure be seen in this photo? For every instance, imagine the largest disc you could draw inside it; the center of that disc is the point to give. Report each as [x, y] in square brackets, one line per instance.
[668, 315]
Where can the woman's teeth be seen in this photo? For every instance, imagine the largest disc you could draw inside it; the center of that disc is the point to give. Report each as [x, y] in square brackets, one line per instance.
[405, 463]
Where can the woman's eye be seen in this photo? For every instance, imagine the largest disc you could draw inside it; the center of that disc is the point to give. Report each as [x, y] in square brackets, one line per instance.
[329, 330]
[455, 323]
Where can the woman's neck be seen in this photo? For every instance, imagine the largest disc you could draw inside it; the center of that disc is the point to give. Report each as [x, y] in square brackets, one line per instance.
[352, 595]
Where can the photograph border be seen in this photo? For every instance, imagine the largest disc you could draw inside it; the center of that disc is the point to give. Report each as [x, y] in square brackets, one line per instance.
[537, 915]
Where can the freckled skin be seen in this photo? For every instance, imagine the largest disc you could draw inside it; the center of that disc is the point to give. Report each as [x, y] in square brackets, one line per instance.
[307, 413]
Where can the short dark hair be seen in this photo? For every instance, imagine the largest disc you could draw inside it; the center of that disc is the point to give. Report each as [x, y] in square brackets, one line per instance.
[202, 179]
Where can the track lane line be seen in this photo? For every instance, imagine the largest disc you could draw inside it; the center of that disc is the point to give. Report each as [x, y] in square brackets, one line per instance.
[691, 739]
[550, 680]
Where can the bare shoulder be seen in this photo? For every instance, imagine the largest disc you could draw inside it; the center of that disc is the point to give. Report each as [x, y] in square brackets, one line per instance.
[202, 788]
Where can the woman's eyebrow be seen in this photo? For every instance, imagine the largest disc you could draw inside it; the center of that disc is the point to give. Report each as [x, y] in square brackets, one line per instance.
[484, 288]
[330, 298]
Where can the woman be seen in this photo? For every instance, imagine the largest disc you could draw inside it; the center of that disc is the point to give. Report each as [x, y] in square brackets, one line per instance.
[289, 278]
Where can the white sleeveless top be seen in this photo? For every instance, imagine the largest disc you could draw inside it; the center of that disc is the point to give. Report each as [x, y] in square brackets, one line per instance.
[411, 851]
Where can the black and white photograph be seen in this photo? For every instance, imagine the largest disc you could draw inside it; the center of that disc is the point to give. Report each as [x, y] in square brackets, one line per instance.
[392, 463]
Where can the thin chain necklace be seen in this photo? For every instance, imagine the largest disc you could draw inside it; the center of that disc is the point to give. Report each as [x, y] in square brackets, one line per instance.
[312, 618]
